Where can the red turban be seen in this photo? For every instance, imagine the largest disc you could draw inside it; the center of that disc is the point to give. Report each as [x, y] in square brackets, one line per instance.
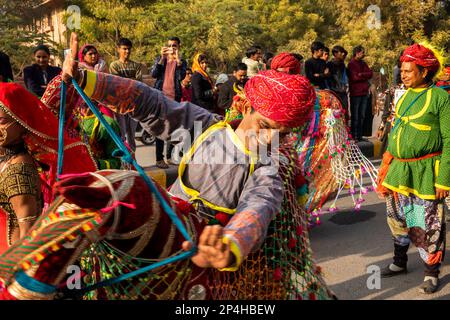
[287, 62]
[421, 56]
[285, 98]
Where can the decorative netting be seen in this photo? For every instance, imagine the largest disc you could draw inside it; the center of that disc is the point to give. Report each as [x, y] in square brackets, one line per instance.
[282, 268]
[330, 159]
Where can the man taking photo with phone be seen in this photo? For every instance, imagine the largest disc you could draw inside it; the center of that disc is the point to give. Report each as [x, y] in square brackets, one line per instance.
[169, 70]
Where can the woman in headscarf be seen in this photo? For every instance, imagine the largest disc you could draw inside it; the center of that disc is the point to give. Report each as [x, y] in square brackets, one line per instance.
[203, 90]
[28, 160]
[90, 59]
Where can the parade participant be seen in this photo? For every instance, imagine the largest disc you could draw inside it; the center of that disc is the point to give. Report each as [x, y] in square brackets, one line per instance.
[82, 124]
[286, 62]
[329, 159]
[444, 79]
[251, 233]
[276, 102]
[415, 173]
[28, 148]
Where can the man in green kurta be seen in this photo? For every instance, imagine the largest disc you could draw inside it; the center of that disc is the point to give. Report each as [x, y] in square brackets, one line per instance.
[416, 167]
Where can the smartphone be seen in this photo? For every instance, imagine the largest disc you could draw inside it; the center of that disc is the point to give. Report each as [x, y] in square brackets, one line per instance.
[67, 52]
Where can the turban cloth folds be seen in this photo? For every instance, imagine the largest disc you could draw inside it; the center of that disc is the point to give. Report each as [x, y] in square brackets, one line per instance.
[285, 98]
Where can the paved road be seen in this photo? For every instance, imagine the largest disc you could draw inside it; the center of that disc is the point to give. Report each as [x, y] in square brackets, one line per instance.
[348, 242]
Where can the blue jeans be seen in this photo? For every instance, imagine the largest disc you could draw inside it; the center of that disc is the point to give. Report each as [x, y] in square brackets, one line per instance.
[358, 107]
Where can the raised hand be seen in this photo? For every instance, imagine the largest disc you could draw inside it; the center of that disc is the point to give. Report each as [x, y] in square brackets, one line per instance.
[70, 65]
[212, 251]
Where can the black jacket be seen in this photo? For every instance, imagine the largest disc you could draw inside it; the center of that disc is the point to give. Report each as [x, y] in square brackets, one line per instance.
[226, 94]
[316, 66]
[202, 93]
[5, 67]
[34, 78]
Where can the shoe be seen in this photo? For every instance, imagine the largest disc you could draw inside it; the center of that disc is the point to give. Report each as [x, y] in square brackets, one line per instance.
[386, 272]
[171, 163]
[428, 287]
[162, 164]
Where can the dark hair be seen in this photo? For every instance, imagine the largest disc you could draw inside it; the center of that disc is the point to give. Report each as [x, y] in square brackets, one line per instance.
[189, 69]
[316, 46]
[125, 42]
[327, 50]
[430, 74]
[175, 39]
[87, 49]
[42, 47]
[202, 57]
[252, 50]
[357, 49]
[267, 56]
[240, 66]
[337, 49]
[297, 56]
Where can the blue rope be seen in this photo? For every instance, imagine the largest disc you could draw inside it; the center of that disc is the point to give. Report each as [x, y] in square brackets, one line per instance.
[126, 156]
[62, 111]
[32, 284]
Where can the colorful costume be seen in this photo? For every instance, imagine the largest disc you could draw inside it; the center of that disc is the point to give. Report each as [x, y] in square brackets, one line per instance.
[254, 201]
[417, 162]
[329, 159]
[41, 142]
[83, 124]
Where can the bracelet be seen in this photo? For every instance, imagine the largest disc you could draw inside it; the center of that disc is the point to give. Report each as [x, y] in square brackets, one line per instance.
[27, 219]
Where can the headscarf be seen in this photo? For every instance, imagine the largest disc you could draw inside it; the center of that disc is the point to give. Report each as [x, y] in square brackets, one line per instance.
[42, 135]
[196, 68]
[285, 98]
[421, 56]
[286, 62]
[100, 66]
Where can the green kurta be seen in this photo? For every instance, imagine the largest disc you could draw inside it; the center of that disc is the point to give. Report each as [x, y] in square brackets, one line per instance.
[101, 143]
[424, 129]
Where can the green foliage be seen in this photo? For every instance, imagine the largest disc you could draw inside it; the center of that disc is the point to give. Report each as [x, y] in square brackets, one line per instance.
[224, 29]
[15, 37]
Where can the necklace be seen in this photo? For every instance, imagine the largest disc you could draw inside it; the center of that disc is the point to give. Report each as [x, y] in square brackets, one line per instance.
[10, 152]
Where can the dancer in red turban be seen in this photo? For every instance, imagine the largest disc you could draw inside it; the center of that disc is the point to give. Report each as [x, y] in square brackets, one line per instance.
[286, 62]
[415, 174]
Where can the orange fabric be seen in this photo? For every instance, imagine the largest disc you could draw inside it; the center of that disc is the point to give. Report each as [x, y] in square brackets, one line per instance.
[3, 231]
[382, 172]
[196, 68]
[420, 158]
[434, 258]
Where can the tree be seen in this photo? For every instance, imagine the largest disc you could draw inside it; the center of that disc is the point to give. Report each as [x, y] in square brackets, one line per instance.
[16, 33]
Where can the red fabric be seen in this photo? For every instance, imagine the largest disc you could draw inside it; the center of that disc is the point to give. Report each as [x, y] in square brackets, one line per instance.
[42, 138]
[359, 76]
[285, 98]
[421, 56]
[286, 62]
[3, 231]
